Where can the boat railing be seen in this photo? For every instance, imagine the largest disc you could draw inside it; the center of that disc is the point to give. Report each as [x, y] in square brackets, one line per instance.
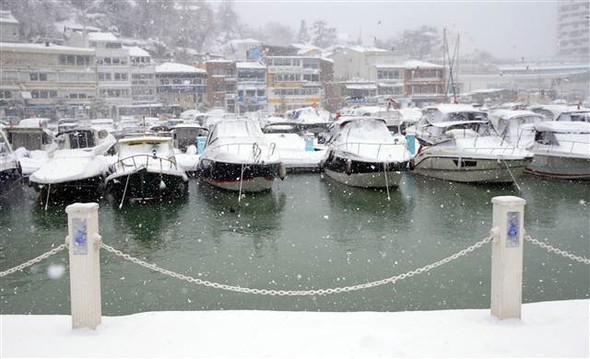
[144, 160]
[351, 146]
[565, 146]
[493, 150]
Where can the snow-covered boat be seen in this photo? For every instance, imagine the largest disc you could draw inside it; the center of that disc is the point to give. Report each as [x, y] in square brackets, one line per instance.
[516, 126]
[146, 169]
[363, 153]
[78, 166]
[32, 145]
[458, 143]
[238, 157]
[10, 169]
[562, 150]
[299, 149]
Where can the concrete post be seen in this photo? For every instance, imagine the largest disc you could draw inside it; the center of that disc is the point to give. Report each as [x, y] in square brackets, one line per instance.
[507, 250]
[84, 248]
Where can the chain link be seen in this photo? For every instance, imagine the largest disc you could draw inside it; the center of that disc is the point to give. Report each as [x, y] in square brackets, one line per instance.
[29, 263]
[292, 293]
[556, 250]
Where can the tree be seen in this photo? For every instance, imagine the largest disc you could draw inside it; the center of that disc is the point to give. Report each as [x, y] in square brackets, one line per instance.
[277, 34]
[303, 35]
[323, 36]
[419, 43]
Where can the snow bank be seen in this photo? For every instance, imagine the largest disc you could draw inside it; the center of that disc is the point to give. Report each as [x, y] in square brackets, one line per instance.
[549, 329]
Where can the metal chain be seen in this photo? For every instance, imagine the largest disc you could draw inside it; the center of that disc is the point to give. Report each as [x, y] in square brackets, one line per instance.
[556, 250]
[311, 292]
[29, 263]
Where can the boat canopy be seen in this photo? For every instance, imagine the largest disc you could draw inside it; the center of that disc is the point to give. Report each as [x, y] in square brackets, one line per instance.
[365, 130]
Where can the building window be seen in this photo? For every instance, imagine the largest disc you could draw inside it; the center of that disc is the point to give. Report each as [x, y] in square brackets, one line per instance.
[38, 76]
[5, 94]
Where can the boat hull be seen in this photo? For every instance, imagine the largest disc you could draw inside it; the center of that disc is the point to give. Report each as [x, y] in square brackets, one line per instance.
[237, 176]
[144, 185]
[365, 174]
[563, 167]
[470, 170]
[86, 186]
[8, 177]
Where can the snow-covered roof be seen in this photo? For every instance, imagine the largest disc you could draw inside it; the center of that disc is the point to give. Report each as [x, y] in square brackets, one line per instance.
[367, 49]
[136, 51]
[563, 127]
[51, 48]
[176, 67]
[246, 41]
[449, 108]
[7, 18]
[102, 37]
[361, 86]
[415, 64]
[250, 65]
[74, 26]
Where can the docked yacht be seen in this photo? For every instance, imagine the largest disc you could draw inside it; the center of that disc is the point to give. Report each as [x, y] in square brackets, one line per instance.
[79, 164]
[458, 143]
[10, 169]
[363, 153]
[562, 150]
[516, 126]
[238, 157]
[32, 143]
[146, 169]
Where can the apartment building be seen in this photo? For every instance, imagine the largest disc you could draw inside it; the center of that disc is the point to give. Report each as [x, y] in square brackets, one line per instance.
[251, 87]
[221, 84]
[143, 76]
[293, 82]
[113, 69]
[46, 79]
[573, 29]
[179, 84]
[424, 82]
[355, 62]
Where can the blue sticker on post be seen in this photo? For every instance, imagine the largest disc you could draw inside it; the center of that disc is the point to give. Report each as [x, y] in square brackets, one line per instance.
[512, 229]
[80, 236]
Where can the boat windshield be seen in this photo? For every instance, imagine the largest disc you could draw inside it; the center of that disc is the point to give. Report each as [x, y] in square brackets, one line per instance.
[76, 139]
[574, 116]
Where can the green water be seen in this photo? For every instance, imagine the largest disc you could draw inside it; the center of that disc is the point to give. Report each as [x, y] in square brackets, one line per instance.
[308, 233]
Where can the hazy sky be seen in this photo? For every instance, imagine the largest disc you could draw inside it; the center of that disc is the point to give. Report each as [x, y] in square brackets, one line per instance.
[504, 28]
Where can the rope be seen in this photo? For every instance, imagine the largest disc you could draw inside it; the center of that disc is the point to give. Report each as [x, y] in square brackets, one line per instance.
[312, 292]
[33, 261]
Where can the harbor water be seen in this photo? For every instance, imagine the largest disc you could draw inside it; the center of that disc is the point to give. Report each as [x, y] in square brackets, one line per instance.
[307, 233]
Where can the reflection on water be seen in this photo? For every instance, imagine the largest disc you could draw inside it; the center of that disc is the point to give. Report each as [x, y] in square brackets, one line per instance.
[308, 232]
[148, 223]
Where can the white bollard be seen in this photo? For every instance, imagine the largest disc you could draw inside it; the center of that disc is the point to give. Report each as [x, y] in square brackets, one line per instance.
[507, 249]
[84, 247]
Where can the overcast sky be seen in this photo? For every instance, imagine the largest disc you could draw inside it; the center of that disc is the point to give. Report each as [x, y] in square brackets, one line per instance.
[505, 28]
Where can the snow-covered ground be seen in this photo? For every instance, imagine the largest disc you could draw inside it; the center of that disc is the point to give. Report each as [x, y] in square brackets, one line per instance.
[548, 329]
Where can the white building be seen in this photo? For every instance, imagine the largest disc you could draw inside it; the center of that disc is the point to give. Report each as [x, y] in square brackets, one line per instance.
[355, 62]
[573, 29]
[251, 86]
[113, 69]
[143, 76]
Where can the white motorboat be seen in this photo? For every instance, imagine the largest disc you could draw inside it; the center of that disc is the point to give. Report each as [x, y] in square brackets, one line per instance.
[10, 169]
[146, 169]
[363, 153]
[32, 145]
[458, 143]
[562, 150]
[79, 165]
[516, 126]
[238, 157]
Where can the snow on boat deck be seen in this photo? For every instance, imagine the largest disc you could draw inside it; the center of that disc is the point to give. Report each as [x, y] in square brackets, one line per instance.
[548, 329]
